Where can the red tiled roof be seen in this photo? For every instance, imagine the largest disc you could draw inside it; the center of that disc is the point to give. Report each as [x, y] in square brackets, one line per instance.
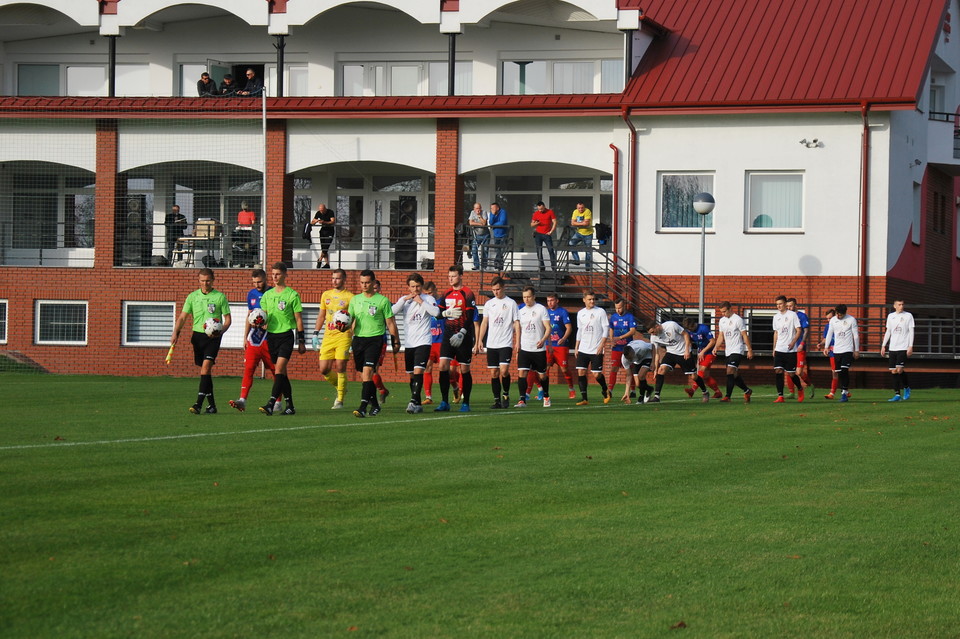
[797, 54]
[332, 107]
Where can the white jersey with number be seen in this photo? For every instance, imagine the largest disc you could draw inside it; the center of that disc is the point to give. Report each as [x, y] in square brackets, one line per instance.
[899, 331]
[671, 338]
[500, 315]
[417, 319]
[785, 327]
[591, 329]
[732, 328]
[532, 329]
[844, 333]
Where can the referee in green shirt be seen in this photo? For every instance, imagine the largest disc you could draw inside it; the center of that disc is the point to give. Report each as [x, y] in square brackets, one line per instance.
[372, 315]
[284, 321]
[202, 304]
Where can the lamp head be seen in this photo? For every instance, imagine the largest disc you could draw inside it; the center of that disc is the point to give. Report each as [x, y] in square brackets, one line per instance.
[703, 203]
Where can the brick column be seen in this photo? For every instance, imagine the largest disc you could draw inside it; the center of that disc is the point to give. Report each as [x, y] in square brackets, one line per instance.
[449, 193]
[278, 217]
[107, 196]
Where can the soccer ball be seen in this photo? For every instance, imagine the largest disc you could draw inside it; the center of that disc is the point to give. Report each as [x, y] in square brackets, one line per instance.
[212, 327]
[257, 318]
[341, 321]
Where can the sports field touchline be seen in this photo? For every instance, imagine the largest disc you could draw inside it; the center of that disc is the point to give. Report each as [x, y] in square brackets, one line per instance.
[255, 431]
[368, 422]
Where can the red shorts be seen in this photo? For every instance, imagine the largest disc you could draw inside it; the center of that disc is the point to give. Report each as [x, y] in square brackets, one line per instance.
[253, 355]
[616, 359]
[707, 360]
[559, 355]
[434, 353]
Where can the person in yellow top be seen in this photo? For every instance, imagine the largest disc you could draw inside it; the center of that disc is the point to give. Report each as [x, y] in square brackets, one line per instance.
[335, 350]
[582, 221]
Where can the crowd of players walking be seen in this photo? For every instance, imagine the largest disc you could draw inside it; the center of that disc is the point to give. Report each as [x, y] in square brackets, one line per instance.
[443, 333]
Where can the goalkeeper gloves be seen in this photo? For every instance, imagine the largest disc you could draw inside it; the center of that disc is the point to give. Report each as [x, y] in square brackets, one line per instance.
[316, 340]
[457, 338]
[453, 313]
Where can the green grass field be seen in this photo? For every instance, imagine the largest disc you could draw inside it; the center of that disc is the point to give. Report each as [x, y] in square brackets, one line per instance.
[125, 516]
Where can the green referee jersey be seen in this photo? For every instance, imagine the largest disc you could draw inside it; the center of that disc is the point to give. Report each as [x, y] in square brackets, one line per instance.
[204, 306]
[371, 314]
[280, 308]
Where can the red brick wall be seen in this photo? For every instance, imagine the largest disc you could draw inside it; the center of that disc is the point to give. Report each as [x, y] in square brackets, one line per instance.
[279, 196]
[449, 193]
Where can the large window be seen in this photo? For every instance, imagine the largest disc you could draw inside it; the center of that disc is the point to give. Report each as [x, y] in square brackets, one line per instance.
[532, 77]
[774, 201]
[61, 322]
[51, 210]
[403, 78]
[677, 191]
[148, 323]
[82, 79]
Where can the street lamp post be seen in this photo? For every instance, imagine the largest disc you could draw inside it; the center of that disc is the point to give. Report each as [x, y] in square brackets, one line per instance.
[703, 204]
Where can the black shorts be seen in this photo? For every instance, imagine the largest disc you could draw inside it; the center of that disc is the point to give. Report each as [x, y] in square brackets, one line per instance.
[532, 360]
[644, 363]
[416, 357]
[843, 360]
[675, 361]
[897, 359]
[366, 351]
[593, 363]
[463, 353]
[280, 345]
[734, 360]
[785, 361]
[497, 357]
[325, 242]
[204, 348]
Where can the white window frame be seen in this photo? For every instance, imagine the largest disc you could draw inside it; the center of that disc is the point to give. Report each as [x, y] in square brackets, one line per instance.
[754, 315]
[550, 79]
[661, 227]
[748, 215]
[125, 339]
[4, 320]
[38, 304]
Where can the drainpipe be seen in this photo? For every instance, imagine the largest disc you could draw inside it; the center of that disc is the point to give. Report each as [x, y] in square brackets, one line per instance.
[632, 187]
[864, 202]
[616, 198]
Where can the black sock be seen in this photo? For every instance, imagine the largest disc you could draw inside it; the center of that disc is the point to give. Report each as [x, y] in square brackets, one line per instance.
[545, 385]
[780, 383]
[603, 383]
[495, 384]
[466, 385]
[904, 380]
[445, 385]
[730, 384]
[505, 384]
[582, 381]
[417, 386]
[522, 385]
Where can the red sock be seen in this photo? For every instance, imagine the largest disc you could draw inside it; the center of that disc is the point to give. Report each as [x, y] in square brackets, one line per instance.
[378, 381]
[790, 386]
[711, 383]
[428, 384]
